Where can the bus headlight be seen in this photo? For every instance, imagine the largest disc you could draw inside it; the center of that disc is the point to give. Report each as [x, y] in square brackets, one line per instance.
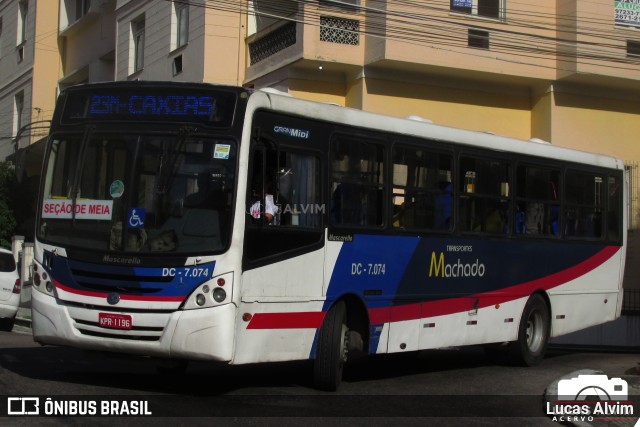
[216, 291]
[200, 299]
[42, 281]
[219, 294]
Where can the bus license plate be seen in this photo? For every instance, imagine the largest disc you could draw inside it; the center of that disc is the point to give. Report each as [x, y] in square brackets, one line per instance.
[114, 321]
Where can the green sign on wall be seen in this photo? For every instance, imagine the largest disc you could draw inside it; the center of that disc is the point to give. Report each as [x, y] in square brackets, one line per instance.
[627, 12]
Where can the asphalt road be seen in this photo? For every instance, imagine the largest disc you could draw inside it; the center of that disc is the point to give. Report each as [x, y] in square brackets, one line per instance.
[444, 387]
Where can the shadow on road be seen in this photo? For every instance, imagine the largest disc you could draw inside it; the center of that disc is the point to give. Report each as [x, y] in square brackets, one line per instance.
[50, 363]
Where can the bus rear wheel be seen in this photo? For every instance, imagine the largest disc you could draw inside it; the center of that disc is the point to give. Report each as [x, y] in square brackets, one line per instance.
[332, 349]
[533, 333]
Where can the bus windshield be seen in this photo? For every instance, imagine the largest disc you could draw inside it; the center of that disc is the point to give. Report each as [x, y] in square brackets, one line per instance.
[138, 193]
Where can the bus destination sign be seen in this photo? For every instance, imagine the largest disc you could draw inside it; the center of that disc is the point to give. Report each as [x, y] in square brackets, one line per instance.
[212, 108]
[153, 105]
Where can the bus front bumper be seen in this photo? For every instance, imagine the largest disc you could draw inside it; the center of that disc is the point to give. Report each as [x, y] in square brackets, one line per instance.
[204, 334]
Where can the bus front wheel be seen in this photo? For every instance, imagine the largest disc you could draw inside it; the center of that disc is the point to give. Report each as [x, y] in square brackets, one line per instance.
[332, 349]
[533, 332]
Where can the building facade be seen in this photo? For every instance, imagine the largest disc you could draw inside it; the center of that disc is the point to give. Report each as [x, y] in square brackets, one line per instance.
[180, 40]
[29, 71]
[86, 39]
[563, 71]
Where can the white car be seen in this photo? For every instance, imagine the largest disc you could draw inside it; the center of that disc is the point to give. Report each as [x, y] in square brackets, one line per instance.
[9, 290]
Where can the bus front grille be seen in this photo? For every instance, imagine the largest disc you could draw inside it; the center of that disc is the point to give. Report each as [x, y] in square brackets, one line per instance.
[136, 333]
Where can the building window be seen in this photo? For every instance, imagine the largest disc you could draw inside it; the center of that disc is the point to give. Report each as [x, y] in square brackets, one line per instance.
[177, 65]
[181, 24]
[82, 8]
[18, 105]
[137, 37]
[486, 8]
[23, 9]
[633, 49]
[478, 39]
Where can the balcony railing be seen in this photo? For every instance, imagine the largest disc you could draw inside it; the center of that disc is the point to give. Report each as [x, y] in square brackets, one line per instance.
[339, 30]
[272, 43]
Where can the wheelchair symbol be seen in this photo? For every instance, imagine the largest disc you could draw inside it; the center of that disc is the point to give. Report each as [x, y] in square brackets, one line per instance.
[136, 217]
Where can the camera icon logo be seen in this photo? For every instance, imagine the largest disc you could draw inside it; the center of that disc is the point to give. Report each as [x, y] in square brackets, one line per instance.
[598, 387]
[23, 406]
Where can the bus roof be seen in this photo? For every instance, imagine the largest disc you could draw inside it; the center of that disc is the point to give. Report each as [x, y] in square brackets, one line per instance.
[424, 129]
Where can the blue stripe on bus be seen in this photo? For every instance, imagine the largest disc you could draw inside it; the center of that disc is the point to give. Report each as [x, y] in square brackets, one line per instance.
[391, 270]
[129, 280]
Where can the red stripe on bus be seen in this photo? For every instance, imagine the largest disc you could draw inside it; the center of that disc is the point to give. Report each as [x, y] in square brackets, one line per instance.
[122, 296]
[457, 305]
[295, 320]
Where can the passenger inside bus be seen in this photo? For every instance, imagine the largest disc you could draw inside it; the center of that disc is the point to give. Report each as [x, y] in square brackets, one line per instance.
[443, 206]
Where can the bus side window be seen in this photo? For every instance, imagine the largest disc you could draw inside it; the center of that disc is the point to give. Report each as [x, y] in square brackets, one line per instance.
[357, 182]
[584, 205]
[484, 195]
[538, 195]
[422, 189]
[613, 208]
[298, 190]
[284, 205]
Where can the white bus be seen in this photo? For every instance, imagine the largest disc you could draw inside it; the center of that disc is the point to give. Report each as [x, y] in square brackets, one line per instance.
[200, 222]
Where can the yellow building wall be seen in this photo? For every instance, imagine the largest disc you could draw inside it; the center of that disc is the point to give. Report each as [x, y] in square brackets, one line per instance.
[224, 47]
[597, 124]
[354, 95]
[541, 117]
[320, 91]
[502, 114]
[46, 66]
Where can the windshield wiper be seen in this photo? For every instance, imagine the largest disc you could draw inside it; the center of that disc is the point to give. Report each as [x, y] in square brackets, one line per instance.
[168, 160]
[73, 193]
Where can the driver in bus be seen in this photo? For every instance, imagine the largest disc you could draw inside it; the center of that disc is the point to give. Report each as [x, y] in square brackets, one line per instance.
[270, 208]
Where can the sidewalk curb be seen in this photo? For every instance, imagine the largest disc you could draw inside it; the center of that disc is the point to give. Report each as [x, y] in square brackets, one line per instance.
[23, 317]
[24, 322]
